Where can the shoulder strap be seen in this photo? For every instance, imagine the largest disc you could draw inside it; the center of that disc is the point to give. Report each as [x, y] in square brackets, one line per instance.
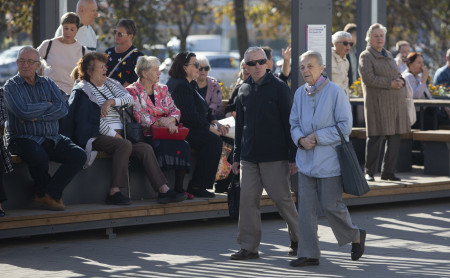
[83, 50]
[118, 63]
[48, 49]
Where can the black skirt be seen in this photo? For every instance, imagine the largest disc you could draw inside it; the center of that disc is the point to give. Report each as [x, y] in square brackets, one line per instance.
[171, 154]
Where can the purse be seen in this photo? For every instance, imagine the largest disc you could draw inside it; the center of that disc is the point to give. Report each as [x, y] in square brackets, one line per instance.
[353, 179]
[224, 168]
[162, 133]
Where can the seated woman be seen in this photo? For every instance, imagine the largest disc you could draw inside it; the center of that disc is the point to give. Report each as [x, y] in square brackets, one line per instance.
[94, 122]
[204, 129]
[209, 87]
[153, 106]
[416, 76]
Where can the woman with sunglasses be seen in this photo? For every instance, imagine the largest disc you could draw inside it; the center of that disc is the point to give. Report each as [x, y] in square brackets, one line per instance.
[204, 129]
[123, 57]
[342, 42]
[209, 87]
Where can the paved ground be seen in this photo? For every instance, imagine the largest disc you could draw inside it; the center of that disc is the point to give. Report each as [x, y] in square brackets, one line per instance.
[404, 240]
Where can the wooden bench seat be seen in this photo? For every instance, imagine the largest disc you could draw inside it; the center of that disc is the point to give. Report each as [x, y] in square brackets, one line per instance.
[436, 151]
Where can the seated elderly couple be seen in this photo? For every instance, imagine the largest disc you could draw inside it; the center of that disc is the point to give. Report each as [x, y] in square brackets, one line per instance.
[34, 106]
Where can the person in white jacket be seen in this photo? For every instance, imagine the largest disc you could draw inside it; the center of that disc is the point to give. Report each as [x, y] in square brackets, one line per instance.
[342, 42]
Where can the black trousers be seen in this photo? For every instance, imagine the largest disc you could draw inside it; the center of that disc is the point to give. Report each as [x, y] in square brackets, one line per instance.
[391, 152]
[209, 148]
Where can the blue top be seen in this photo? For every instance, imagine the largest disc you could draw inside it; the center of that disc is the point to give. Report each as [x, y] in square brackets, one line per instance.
[319, 113]
[34, 110]
[442, 76]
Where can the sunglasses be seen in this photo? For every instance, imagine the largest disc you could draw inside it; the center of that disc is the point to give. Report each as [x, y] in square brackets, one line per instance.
[207, 68]
[345, 43]
[254, 62]
[196, 64]
[120, 34]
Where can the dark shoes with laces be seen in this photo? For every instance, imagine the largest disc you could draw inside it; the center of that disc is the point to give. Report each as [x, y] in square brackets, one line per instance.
[117, 199]
[244, 255]
[358, 248]
[170, 196]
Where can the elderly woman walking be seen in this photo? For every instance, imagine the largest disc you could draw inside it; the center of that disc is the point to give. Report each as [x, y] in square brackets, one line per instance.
[384, 104]
[320, 107]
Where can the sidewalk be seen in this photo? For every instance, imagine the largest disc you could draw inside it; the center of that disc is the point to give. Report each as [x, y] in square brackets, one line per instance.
[404, 240]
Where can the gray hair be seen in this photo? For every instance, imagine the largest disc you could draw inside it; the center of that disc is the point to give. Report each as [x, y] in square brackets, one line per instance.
[82, 3]
[203, 60]
[28, 48]
[44, 66]
[339, 35]
[373, 27]
[145, 63]
[253, 49]
[314, 54]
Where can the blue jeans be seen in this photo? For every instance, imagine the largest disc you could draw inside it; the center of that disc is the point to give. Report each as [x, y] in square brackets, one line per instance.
[37, 156]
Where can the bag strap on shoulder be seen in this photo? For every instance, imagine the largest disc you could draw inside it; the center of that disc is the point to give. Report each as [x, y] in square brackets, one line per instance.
[48, 49]
[118, 63]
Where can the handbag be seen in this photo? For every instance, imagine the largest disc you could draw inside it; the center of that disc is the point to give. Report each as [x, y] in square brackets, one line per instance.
[234, 197]
[411, 109]
[224, 168]
[162, 133]
[353, 179]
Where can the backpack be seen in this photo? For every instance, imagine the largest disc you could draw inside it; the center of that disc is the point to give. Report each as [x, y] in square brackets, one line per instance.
[83, 49]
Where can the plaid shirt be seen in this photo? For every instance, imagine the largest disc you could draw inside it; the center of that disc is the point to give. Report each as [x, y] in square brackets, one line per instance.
[34, 110]
[6, 161]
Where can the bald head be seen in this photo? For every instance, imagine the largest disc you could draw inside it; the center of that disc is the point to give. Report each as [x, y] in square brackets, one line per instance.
[88, 11]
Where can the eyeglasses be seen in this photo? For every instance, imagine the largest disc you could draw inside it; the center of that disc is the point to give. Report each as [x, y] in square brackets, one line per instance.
[196, 64]
[120, 34]
[207, 68]
[28, 62]
[253, 63]
[346, 43]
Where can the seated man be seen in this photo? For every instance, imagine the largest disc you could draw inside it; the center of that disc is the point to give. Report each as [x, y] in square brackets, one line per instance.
[442, 76]
[34, 105]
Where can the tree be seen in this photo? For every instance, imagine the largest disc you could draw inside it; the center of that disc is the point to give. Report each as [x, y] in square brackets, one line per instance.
[241, 26]
[17, 17]
[183, 14]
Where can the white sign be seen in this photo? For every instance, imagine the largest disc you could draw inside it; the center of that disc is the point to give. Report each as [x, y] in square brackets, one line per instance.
[316, 39]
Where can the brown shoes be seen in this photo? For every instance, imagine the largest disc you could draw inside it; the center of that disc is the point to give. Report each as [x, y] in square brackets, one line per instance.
[47, 202]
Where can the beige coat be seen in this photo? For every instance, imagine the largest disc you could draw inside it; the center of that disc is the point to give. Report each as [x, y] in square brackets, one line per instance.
[339, 71]
[384, 108]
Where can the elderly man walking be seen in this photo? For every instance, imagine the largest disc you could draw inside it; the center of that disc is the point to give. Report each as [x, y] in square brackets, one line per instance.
[34, 105]
[264, 153]
[87, 10]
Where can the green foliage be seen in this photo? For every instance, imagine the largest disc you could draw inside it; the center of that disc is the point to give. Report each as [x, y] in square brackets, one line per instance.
[16, 17]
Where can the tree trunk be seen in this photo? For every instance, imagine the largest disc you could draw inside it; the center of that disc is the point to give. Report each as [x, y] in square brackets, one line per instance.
[241, 26]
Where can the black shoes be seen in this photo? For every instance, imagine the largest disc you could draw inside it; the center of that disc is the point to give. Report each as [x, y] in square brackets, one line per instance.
[389, 177]
[244, 255]
[117, 199]
[369, 177]
[201, 192]
[170, 197]
[358, 248]
[2, 213]
[304, 262]
[293, 248]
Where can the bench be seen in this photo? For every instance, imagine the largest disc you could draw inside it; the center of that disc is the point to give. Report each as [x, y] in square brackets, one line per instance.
[358, 138]
[436, 150]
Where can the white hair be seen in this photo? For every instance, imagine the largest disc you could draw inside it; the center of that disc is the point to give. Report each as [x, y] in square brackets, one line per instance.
[145, 63]
[339, 35]
[28, 48]
[373, 27]
[82, 3]
[314, 54]
[203, 60]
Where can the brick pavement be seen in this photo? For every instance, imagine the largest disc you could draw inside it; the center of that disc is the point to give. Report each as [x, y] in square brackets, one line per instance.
[404, 240]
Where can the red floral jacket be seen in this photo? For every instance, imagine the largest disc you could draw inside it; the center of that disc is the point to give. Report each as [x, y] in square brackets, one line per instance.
[145, 112]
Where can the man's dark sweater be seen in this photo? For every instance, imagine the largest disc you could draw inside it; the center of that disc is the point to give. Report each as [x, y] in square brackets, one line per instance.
[262, 121]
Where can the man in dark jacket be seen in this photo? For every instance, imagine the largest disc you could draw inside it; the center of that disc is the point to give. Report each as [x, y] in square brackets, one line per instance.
[264, 153]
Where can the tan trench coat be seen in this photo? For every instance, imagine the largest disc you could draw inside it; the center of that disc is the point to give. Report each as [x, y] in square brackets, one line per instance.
[384, 108]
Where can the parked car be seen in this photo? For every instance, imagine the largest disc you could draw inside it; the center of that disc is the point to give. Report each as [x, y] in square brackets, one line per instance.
[224, 66]
[8, 65]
